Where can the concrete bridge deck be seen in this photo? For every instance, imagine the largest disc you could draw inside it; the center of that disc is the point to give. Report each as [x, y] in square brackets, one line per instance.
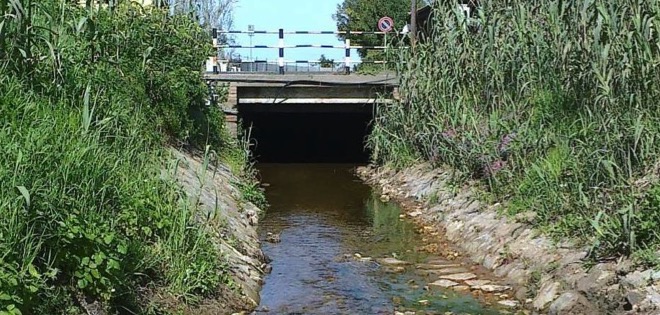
[254, 94]
[314, 79]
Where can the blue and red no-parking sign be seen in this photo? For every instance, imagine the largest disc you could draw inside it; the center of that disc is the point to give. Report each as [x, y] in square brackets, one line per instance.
[385, 24]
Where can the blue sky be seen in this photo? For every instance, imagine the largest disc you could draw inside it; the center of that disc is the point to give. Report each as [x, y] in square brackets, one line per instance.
[291, 15]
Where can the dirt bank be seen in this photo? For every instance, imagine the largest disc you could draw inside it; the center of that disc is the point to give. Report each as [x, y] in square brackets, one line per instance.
[233, 222]
[550, 277]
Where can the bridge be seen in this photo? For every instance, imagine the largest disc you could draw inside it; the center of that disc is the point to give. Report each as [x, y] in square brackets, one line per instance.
[304, 109]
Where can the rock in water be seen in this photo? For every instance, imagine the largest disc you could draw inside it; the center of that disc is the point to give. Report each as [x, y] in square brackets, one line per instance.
[459, 276]
[491, 288]
[273, 238]
[442, 283]
[392, 262]
[509, 303]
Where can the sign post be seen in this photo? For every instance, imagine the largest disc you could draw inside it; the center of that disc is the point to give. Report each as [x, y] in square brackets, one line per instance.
[385, 24]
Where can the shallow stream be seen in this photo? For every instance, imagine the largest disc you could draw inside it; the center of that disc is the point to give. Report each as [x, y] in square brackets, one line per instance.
[330, 229]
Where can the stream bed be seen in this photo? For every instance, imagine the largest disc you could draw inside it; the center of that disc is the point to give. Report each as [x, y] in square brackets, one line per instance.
[327, 234]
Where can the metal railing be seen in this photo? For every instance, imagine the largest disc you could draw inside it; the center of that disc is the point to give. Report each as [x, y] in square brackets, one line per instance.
[282, 63]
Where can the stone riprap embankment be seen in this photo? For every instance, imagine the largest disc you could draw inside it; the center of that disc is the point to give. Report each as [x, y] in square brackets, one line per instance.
[233, 222]
[547, 277]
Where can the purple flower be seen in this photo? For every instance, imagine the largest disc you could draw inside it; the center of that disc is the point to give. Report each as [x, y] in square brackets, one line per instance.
[505, 141]
[449, 134]
[494, 167]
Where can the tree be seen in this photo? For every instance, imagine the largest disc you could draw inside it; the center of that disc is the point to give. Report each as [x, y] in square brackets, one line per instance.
[210, 13]
[363, 15]
[325, 62]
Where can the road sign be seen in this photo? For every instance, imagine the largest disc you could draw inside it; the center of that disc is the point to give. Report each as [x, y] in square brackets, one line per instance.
[385, 24]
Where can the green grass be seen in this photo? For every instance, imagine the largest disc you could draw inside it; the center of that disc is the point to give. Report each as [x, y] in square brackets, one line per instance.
[551, 106]
[88, 100]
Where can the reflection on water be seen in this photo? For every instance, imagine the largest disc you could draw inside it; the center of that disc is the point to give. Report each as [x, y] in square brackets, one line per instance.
[324, 215]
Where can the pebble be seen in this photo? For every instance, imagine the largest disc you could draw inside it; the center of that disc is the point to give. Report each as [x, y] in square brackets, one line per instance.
[461, 288]
[392, 261]
[492, 288]
[443, 283]
[395, 269]
[438, 262]
[477, 283]
[509, 303]
[446, 271]
[437, 266]
[459, 276]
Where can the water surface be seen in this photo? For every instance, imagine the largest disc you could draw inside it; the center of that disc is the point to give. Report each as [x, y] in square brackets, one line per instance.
[325, 216]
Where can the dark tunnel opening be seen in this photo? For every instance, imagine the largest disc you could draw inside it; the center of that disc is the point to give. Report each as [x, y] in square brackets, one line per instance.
[308, 133]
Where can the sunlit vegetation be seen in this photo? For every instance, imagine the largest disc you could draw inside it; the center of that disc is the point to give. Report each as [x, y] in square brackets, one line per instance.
[551, 105]
[89, 99]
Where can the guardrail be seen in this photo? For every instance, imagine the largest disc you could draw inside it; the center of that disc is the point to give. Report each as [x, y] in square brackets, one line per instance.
[212, 65]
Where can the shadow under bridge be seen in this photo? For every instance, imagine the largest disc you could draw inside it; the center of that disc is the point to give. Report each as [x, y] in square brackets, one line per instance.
[305, 118]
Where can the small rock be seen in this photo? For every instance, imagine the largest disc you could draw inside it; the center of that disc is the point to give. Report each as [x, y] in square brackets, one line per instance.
[637, 279]
[599, 277]
[394, 269]
[571, 302]
[436, 266]
[547, 294]
[492, 288]
[521, 293]
[273, 238]
[459, 276]
[392, 261]
[635, 297]
[414, 214]
[509, 303]
[477, 283]
[447, 270]
[253, 218]
[423, 302]
[438, 262]
[442, 283]
[526, 217]
[461, 288]
[655, 275]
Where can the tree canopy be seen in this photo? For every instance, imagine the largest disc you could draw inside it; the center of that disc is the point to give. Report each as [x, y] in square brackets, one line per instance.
[363, 15]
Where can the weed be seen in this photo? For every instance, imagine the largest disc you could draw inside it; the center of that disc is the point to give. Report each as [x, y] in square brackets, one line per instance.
[88, 97]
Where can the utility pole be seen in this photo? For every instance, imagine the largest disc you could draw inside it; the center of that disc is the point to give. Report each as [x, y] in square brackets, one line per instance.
[413, 23]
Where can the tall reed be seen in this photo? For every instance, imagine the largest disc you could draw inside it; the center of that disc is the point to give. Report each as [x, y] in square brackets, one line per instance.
[551, 104]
